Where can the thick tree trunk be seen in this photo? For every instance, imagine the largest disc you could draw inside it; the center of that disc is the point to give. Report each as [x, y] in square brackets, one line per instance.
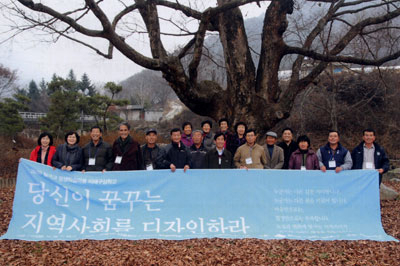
[249, 96]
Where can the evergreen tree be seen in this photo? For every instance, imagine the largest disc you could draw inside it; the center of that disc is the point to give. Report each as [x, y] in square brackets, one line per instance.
[33, 90]
[71, 75]
[11, 121]
[73, 83]
[86, 86]
[43, 87]
[19, 91]
[54, 77]
[60, 84]
[65, 108]
[99, 106]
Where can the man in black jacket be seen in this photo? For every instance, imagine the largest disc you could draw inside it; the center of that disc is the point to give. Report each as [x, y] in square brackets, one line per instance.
[219, 158]
[369, 155]
[150, 150]
[175, 155]
[288, 145]
[97, 154]
[197, 150]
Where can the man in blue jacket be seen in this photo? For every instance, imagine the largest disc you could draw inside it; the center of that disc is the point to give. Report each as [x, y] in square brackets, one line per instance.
[369, 155]
[333, 156]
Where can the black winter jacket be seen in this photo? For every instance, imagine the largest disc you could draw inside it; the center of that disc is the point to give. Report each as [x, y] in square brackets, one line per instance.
[103, 154]
[68, 156]
[172, 154]
[149, 159]
[198, 156]
[287, 151]
[212, 160]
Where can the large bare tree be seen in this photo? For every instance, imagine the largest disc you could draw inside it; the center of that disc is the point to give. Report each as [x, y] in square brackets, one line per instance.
[252, 93]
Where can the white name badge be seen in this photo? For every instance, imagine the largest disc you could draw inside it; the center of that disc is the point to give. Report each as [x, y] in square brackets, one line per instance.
[303, 168]
[92, 161]
[149, 167]
[369, 166]
[332, 164]
[118, 159]
[249, 160]
[219, 160]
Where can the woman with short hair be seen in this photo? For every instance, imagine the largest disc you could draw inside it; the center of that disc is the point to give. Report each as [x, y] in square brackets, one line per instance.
[304, 158]
[238, 139]
[68, 156]
[44, 151]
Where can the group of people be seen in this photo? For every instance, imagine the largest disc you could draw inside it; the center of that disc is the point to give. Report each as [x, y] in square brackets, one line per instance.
[202, 149]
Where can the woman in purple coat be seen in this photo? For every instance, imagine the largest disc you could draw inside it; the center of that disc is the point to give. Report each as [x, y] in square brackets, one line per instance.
[304, 158]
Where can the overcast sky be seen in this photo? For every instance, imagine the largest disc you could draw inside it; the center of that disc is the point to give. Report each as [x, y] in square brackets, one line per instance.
[35, 59]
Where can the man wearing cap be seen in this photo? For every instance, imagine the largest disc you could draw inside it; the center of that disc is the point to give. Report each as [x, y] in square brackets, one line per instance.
[274, 154]
[150, 150]
[250, 155]
[197, 150]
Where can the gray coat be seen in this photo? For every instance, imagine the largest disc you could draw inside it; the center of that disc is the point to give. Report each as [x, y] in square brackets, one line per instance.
[277, 159]
[208, 141]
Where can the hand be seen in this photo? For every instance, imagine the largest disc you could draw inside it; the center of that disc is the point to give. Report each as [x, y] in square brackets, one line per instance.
[104, 170]
[83, 171]
[69, 168]
[338, 169]
[380, 171]
[54, 168]
[244, 167]
[323, 169]
[186, 168]
[173, 167]
[63, 167]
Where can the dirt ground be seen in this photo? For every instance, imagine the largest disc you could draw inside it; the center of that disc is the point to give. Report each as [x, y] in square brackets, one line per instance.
[202, 251]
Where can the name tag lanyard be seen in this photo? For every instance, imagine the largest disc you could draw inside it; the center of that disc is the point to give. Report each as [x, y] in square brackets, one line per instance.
[249, 160]
[220, 156]
[149, 166]
[332, 161]
[92, 160]
[95, 152]
[118, 159]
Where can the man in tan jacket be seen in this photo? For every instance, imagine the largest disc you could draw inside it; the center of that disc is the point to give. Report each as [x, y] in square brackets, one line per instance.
[275, 155]
[250, 154]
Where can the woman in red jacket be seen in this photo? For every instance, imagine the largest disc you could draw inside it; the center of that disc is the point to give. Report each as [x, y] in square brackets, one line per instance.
[45, 150]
